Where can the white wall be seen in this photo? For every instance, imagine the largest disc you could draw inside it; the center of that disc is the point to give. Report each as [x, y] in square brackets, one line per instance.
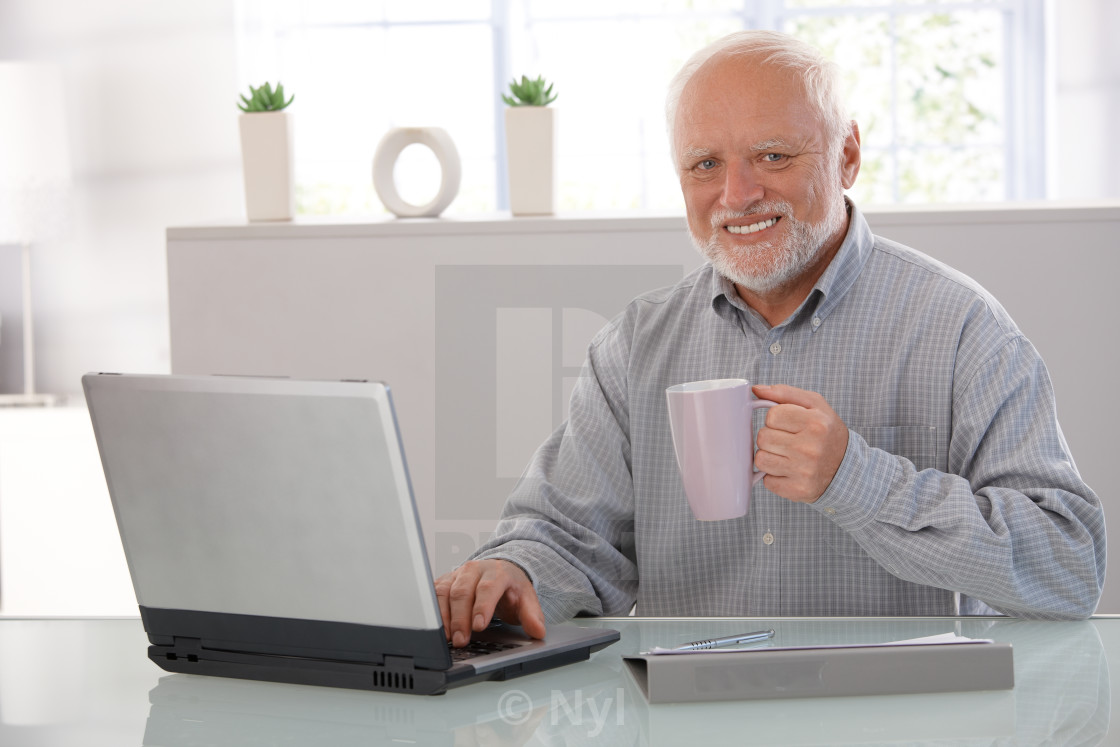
[151, 90]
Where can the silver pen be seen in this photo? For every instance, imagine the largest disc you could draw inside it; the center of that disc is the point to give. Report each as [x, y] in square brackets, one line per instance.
[731, 640]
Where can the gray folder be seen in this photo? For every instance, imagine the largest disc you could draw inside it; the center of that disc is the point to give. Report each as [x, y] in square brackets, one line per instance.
[822, 672]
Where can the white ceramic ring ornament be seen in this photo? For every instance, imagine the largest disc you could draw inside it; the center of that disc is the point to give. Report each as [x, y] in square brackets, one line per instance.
[384, 161]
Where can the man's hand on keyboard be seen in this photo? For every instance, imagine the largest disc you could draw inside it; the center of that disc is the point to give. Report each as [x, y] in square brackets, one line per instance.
[470, 595]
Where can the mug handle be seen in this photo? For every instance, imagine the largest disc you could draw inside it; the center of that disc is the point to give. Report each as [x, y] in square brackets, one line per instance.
[759, 403]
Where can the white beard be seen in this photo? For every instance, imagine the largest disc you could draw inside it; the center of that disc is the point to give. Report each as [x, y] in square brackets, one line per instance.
[788, 257]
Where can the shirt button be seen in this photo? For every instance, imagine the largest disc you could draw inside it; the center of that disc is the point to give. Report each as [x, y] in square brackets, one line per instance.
[776, 348]
[768, 539]
[830, 510]
[816, 322]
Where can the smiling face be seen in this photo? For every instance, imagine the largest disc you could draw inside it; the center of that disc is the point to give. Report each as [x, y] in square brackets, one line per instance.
[762, 186]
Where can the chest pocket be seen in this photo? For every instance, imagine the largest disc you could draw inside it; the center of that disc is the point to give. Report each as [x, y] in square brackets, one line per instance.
[918, 443]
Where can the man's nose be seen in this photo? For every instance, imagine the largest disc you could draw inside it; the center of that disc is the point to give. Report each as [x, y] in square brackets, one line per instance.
[741, 188]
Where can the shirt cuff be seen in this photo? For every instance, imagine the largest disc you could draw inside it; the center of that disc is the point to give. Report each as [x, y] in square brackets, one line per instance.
[860, 485]
[517, 553]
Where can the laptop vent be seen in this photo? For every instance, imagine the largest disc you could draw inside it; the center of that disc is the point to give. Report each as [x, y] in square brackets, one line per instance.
[400, 681]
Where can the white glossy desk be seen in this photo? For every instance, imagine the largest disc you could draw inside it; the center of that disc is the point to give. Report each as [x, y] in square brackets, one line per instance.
[87, 682]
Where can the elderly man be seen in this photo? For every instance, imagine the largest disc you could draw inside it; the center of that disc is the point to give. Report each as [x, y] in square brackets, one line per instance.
[914, 464]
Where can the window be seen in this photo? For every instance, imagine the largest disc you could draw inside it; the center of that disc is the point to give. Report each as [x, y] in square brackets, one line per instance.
[948, 95]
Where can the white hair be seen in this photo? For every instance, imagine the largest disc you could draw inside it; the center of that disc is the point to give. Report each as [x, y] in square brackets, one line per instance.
[819, 75]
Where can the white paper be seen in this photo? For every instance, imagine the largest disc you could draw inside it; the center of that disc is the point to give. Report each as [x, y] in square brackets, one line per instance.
[932, 640]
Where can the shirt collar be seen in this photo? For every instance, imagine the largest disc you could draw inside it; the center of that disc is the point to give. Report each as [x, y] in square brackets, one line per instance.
[846, 266]
[832, 285]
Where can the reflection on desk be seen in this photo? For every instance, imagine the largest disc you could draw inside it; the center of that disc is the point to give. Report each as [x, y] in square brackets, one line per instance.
[88, 682]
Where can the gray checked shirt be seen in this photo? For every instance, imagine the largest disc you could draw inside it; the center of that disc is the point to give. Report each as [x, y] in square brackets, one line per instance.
[957, 494]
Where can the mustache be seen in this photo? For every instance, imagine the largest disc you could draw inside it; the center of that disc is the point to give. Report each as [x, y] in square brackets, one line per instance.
[723, 216]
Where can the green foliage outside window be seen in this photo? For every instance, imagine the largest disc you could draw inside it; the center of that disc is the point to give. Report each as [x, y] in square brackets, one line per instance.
[927, 90]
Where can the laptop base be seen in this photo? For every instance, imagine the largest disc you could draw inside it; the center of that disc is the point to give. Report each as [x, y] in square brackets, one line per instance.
[397, 677]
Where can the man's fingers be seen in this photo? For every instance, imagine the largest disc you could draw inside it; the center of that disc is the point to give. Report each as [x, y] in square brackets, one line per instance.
[778, 441]
[771, 463]
[524, 610]
[443, 588]
[784, 394]
[461, 601]
[469, 596]
[802, 444]
[520, 605]
[493, 586]
[532, 617]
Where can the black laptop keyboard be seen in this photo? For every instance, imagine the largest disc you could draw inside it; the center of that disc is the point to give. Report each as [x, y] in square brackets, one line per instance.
[478, 648]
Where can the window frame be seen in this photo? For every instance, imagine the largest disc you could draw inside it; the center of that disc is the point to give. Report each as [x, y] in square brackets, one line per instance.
[1024, 113]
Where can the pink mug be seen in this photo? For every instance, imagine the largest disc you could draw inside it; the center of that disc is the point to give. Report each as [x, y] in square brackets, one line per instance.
[714, 441]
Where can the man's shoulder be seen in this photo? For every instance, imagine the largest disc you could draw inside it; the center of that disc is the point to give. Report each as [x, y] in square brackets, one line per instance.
[656, 309]
[697, 284]
[918, 263]
[945, 286]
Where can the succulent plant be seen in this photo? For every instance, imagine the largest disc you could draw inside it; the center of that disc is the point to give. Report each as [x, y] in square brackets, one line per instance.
[265, 99]
[529, 92]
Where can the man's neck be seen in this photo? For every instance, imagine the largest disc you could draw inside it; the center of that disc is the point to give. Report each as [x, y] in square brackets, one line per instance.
[777, 305]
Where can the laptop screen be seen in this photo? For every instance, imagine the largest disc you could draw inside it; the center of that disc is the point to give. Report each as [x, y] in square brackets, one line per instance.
[267, 497]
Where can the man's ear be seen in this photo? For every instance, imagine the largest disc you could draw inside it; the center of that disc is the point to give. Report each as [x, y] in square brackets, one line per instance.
[850, 158]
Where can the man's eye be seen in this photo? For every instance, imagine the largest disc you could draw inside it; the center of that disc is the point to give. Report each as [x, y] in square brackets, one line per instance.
[773, 157]
[706, 165]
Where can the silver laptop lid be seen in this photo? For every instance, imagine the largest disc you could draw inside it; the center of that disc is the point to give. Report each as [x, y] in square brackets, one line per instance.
[270, 497]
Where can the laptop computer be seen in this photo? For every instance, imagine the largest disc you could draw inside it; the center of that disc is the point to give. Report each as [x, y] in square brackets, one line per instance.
[271, 534]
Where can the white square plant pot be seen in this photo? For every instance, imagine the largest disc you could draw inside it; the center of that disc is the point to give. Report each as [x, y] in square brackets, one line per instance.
[531, 159]
[266, 161]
